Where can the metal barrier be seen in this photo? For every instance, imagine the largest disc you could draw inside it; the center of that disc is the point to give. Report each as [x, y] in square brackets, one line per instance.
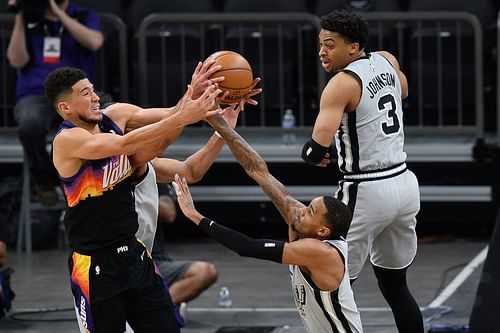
[498, 79]
[7, 74]
[112, 72]
[443, 68]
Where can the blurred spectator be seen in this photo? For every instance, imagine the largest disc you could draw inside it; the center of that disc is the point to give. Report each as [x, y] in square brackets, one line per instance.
[47, 34]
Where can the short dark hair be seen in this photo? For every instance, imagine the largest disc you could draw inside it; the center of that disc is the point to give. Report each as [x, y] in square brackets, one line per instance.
[338, 217]
[60, 81]
[352, 27]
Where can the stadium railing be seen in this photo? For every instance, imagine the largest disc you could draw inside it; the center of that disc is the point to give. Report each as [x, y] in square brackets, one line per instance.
[441, 53]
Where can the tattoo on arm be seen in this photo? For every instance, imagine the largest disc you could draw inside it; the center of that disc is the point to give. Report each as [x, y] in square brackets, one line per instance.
[256, 168]
[242, 151]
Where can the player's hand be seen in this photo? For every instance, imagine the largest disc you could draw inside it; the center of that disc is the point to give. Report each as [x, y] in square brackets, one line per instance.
[185, 200]
[252, 92]
[326, 161]
[200, 78]
[193, 110]
[230, 114]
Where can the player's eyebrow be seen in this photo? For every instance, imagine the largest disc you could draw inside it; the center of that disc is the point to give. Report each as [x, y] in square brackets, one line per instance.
[313, 210]
[87, 87]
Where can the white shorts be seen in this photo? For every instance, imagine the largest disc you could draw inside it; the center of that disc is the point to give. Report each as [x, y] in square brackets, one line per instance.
[384, 221]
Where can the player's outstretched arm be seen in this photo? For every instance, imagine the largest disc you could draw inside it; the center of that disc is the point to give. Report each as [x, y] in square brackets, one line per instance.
[324, 264]
[243, 245]
[131, 116]
[196, 165]
[257, 169]
[189, 111]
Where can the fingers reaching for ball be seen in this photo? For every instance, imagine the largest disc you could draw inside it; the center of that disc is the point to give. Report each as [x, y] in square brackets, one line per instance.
[200, 80]
[252, 92]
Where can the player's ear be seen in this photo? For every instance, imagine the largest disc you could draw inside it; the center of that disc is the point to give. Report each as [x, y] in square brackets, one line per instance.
[354, 48]
[62, 108]
[324, 232]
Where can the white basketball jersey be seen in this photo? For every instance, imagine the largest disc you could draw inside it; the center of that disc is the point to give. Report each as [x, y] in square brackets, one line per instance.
[371, 137]
[146, 206]
[326, 311]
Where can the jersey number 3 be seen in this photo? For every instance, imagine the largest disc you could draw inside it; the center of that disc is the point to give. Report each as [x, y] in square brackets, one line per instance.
[387, 103]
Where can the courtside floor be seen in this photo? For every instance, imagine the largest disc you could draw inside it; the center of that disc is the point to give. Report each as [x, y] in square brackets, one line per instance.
[444, 275]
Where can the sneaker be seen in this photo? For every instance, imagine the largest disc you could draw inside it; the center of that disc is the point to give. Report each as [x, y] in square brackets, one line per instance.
[183, 311]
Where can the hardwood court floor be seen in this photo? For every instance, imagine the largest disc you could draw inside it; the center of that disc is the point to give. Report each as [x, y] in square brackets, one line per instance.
[260, 290]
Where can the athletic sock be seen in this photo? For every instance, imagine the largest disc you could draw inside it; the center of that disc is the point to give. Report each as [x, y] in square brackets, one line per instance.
[392, 283]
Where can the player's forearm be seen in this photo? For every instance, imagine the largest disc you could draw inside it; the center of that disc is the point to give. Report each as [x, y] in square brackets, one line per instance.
[143, 117]
[243, 245]
[199, 163]
[248, 158]
[150, 140]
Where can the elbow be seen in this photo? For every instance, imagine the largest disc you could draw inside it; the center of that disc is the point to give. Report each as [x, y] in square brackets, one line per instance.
[16, 62]
[191, 179]
[96, 43]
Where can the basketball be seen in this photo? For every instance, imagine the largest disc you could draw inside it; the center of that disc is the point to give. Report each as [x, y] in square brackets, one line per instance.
[237, 73]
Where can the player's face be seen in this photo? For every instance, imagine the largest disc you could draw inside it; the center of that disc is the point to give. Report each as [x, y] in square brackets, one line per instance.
[334, 51]
[310, 219]
[85, 102]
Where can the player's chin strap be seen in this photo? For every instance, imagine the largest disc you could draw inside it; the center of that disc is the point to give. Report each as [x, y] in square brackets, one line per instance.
[313, 153]
[245, 246]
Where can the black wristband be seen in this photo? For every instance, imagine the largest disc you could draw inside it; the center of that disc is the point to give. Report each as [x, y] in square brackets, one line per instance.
[313, 152]
[245, 246]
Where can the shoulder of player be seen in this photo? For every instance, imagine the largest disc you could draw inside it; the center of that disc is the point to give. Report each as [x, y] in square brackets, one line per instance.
[343, 80]
[390, 58]
[120, 113]
[342, 84]
[70, 133]
[319, 250]
[69, 138]
[121, 109]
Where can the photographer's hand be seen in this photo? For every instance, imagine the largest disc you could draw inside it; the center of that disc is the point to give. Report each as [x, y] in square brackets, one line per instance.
[54, 7]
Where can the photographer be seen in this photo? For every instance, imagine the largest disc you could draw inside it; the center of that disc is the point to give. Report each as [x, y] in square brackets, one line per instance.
[47, 34]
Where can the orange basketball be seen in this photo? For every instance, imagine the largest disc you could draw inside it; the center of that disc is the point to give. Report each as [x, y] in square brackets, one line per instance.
[237, 73]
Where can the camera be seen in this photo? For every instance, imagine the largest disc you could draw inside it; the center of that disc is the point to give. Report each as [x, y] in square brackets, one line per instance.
[30, 6]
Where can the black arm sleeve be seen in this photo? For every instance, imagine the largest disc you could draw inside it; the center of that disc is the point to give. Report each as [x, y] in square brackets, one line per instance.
[313, 152]
[245, 246]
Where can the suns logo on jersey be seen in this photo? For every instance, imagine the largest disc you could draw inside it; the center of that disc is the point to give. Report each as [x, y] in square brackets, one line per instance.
[115, 171]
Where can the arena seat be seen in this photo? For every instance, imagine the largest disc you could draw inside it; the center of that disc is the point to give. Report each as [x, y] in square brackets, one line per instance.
[114, 7]
[267, 47]
[172, 51]
[7, 74]
[453, 38]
